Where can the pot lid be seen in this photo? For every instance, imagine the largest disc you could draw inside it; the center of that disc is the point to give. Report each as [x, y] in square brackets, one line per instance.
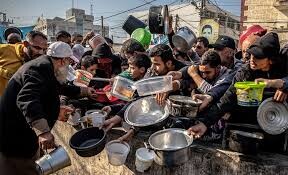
[272, 116]
[184, 100]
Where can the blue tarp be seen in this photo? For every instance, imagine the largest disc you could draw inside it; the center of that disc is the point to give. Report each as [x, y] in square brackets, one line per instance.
[24, 30]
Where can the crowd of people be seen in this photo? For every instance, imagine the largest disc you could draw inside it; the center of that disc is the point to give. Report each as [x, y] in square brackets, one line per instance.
[35, 91]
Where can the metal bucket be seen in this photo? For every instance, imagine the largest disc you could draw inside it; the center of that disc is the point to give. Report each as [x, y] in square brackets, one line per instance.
[184, 38]
[54, 161]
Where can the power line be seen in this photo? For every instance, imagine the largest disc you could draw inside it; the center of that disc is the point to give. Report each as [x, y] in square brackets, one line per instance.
[125, 11]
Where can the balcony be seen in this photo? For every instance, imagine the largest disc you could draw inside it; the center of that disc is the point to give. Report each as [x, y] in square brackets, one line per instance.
[281, 5]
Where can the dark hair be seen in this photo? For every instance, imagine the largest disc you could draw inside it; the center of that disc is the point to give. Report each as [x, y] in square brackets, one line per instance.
[32, 34]
[206, 26]
[211, 58]
[87, 61]
[131, 45]
[163, 51]
[140, 60]
[108, 40]
[75, 35]
[62, 34]
[203, 40]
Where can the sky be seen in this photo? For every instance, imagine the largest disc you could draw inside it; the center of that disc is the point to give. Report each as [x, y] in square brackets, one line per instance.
[26, 12]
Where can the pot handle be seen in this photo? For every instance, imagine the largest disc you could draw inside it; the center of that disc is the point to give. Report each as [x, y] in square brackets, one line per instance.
[127, 136]
[147, 146]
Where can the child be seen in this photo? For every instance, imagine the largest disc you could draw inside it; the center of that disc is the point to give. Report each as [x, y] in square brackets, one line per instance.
[89, 64]
[138, 66]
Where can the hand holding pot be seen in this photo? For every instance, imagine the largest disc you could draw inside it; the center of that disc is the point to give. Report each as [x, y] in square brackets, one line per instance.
[64, 113]
[197, 130]
[127, 137]
[206, 100]
[280, 96]
[110, 123]
[92, 93]
[46, 140]
[161, 98]
[275, 83]
[192, 70]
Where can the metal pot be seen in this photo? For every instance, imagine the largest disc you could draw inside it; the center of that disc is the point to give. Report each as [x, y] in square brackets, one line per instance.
[171, 146]
[158, 19]
[272, 116]
[88, 142]
[145, 112]
[184, 39]
[54, 161]
[245, 142]
[183, 106]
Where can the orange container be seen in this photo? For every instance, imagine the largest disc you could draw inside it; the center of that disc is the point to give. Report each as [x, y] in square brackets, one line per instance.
[82, 78]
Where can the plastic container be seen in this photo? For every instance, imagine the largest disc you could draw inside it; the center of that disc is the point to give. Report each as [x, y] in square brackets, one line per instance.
[154, 85]
[132, 24]
[143, 36]
[71, 73]
[123, 88]
[82, 78]
[117, 152]
[144, 159]
[249, 93]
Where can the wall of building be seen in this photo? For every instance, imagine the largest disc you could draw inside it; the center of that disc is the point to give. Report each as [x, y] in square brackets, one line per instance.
[269, 14]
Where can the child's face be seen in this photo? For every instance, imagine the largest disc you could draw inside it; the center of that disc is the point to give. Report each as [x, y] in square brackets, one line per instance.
[136, 72]
[92, 69]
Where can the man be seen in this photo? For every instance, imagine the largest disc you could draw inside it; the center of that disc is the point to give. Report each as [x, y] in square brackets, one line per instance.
[30, 107]
[207, 75]
[201, 46]
[264, 63]
[64, 37]
[12, 56]
[76, 39]
[225, 47]
[13, 38]
[163, 61]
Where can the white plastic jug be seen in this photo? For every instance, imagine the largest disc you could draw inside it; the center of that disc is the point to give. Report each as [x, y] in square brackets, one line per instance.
[144, 159]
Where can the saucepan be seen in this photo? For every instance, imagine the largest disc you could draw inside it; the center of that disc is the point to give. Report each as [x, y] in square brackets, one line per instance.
[171, 146]
[183, 106]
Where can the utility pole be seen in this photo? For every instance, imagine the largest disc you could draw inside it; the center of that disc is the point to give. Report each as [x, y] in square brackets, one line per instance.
[91, 9]
[102, 26]
[176, 22]
[72, 3]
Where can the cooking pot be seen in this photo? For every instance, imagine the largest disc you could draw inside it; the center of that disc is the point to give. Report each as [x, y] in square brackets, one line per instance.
[184, 39]
[245, 142]
[171, 146]
[52, 162]
[88, 142]
[183, 106]
[158, 19]
[132, 23]
[146, 112]
[272, 116]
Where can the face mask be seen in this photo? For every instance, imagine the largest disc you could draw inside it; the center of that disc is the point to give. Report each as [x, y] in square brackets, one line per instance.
[62, 73]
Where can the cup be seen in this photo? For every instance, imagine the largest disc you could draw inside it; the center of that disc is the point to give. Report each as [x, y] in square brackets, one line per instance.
[98, 118]
[117, 152]
[144, 159]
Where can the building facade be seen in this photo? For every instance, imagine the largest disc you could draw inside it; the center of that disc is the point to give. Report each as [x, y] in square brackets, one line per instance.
[270, 14]
[198, 19]
[76, 21]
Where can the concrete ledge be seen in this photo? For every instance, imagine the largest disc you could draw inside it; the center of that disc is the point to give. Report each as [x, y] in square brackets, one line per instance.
[204, 160]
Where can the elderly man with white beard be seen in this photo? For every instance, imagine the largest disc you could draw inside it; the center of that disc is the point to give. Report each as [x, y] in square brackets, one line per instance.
[30, 107]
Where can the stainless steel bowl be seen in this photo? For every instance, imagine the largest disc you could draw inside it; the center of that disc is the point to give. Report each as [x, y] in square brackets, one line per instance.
[145, 112]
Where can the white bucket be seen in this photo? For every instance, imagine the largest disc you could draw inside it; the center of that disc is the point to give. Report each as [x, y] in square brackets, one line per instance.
[144, 159]
[117, 152]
